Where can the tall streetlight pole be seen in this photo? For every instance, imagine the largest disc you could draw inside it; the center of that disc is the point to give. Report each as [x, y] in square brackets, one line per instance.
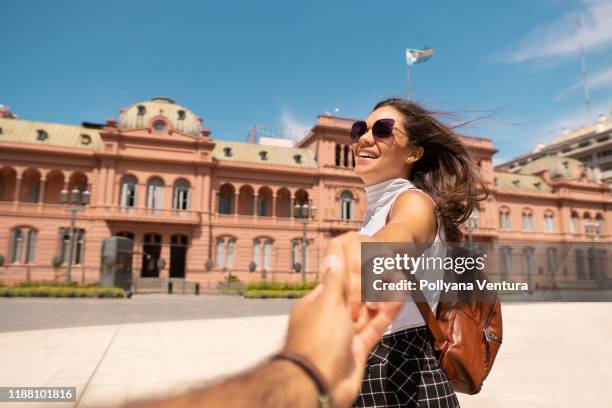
[304, 214]
[76, 202]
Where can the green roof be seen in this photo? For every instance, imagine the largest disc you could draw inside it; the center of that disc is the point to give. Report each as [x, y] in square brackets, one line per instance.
[25, 131]
[275, 155]
[521, 182]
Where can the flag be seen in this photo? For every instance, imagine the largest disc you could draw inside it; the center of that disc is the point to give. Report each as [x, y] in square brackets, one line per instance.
[416, 56]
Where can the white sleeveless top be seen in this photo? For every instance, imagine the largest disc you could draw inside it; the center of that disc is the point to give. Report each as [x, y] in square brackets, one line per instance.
[381, 197]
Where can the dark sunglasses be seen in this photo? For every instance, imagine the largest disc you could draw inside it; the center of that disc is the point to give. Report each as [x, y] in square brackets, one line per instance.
[382, 129]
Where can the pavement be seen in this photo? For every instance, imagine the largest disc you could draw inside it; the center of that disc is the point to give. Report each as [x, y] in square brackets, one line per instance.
[553, 355]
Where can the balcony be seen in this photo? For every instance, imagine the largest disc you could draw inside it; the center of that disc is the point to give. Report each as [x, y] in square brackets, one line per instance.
[25, 208]
[144, 214]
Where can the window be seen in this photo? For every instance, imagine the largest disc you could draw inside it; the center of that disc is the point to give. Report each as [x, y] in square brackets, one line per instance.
[527, 220]
[220, 256]
[475, 217]
[159, 126]
[528, 262]
[504, 219]
[263, 155]
[256, 253]
[346, 203]
[181, 195]
[296, 253]
[78, 249]
[297, 158]
[231, 252]
[34, 191]
[599, 224]
[262, 206]
[181, 115]
[23, 245]
[549, 222]
[16, 245]
[346, 156]
[352, 158]
[141, 110]
[225, 204]
[227, 151]
[155, 193]
[267, 261]
[128, 192]
[85, 139]
[41, 135]
[574, 223]
[338, 154]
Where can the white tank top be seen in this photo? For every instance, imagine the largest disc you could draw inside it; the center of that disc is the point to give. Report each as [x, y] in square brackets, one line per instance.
[381, 197]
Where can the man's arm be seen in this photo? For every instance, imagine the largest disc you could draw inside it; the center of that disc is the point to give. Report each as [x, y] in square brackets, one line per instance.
[273, 384]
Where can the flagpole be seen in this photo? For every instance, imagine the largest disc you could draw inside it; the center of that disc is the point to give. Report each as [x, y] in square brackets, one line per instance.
[408, 82]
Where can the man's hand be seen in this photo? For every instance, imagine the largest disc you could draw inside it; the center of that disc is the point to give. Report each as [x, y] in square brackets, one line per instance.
[322, 330]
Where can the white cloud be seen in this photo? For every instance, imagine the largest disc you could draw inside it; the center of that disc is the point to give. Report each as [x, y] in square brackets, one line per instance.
[599, 80]
[291, 127]
[576, 120]
[560, 38]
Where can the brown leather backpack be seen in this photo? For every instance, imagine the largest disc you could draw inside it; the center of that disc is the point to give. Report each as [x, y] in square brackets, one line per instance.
[467, 333]
[467, 337]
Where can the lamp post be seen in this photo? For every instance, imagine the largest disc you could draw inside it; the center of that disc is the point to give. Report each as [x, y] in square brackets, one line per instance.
[74, 201]
[304, 214]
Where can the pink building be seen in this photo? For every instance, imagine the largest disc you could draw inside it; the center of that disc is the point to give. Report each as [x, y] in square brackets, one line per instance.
[207, 206]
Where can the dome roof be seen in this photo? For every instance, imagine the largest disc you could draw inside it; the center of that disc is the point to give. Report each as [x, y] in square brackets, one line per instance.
[140, 115]
[560, 167]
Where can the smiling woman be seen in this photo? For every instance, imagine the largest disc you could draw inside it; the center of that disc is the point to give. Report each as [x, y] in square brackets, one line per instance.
[421, 184]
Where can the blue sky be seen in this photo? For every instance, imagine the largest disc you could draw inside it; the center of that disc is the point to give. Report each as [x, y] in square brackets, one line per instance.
[281, 63]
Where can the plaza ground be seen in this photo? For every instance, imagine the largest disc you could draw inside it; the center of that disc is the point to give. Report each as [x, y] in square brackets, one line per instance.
[118, 350]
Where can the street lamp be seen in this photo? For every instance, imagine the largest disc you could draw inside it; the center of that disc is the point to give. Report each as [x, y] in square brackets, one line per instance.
[74, 201]
[304, 214]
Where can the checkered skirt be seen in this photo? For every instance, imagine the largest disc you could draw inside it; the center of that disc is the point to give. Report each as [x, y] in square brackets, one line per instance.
[403, 371]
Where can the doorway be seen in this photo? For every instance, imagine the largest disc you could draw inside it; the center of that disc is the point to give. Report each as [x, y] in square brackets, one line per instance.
[178, 255]
[151, 252]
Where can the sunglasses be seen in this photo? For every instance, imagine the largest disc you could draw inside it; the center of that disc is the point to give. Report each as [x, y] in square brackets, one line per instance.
[382, 129]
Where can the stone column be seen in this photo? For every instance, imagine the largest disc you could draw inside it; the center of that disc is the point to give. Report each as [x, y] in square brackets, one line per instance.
[17, 189]
[255, 205]
[274, 205]
[291, 200]
[236, 197]
[41, 192]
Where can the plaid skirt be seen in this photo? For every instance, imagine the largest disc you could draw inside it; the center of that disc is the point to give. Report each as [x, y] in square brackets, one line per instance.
[403, 371]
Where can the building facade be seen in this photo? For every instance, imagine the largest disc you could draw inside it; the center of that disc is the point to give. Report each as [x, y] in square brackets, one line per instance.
[591, 145]
[206, 207]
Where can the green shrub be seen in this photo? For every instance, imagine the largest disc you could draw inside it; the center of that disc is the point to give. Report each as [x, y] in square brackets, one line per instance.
[274, 294]
[282, 286]
[57, 291]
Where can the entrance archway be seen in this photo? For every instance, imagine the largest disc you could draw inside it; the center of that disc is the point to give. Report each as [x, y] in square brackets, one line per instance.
[178, 255]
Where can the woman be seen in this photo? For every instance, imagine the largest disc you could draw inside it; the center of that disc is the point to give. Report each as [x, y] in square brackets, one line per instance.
[421, 186]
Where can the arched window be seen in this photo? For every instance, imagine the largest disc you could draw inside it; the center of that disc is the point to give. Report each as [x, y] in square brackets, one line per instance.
[231, 252]
[220, 253]
[528, 262]
[338, 154]
[346, 156]
[504, 219]
[599, 224]
[129, 187]
[23, 245]
[78, 250]
[527, 220]
[182, 194]
[267, 260]
[346, 205]
[296, 253]
[262, 245]
[155, 193]
[549, 221]
[226, 199]
[574, 223]
[475, 217]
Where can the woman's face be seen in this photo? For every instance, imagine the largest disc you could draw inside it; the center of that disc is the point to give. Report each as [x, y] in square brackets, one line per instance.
[380, 160]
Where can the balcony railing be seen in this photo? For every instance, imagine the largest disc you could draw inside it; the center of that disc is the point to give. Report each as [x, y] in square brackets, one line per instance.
[152, 214]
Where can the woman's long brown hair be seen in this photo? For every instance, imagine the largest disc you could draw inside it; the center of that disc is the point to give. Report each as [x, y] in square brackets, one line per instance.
[445, 171]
